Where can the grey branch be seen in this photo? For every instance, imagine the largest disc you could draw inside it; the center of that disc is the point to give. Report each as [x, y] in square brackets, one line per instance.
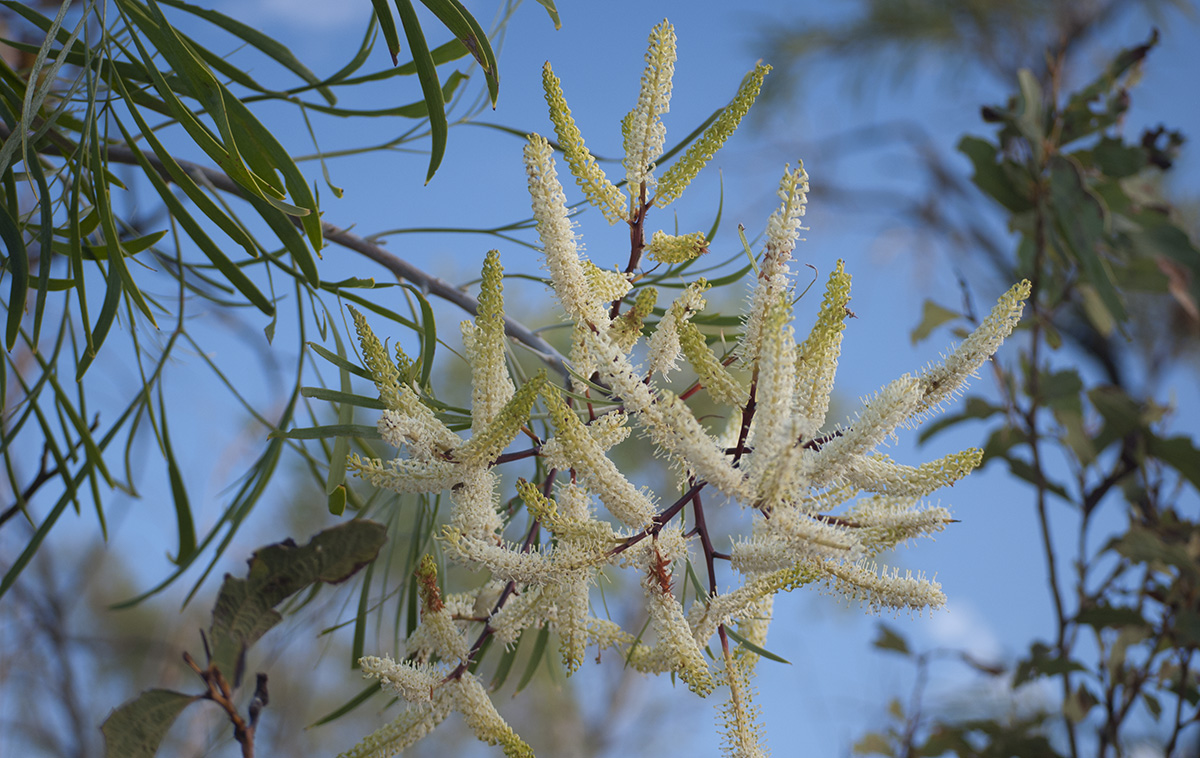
[399, 267]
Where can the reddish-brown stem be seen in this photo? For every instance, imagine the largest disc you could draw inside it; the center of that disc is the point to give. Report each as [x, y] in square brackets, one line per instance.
[747, 416]
[509, 589]
[705, 543]
[219, 691]
[637, 241]
[519, 455]
[661, 519]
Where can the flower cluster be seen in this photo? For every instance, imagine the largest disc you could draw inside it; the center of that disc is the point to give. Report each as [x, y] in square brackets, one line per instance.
[823, 502]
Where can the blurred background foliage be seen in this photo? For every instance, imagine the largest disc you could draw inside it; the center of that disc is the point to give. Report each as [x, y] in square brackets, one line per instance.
[150, 206]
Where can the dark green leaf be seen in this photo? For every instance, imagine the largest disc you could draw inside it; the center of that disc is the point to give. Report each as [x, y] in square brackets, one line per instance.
[17, 264]
[179, 496]
[1178, 452]
[1081, 219]
[383, 14]
[464, 26]
[136, 728]
[274, 49]
[428, 76]
[890, 639]
[535, 658]
[334, 396]
[1118, 160]
[362, 697]
[326, 432]
[1060, 390]
[244, 610]
[992, 177]
[932, 316]
[747, 644]
[1102, 616]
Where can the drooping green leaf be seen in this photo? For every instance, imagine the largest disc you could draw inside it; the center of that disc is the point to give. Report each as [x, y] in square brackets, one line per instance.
[17, 264]
[553, 11]
[464, 26]
[1080, 218]
[428, 76]
[1180, 453]
[932, 316]
[889, 639]
[245, 608]
[136, 729]
[326, 432]
[1103, 615]
[387, 24]
[995, 178]
[271, 47]
[368, 692]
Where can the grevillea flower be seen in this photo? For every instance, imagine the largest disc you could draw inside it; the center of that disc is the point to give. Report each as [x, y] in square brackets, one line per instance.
[824, 503]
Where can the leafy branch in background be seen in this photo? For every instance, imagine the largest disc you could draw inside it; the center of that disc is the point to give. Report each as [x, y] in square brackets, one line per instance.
[243, 613]
[90, 92]
[798, 481]
[1099, 243]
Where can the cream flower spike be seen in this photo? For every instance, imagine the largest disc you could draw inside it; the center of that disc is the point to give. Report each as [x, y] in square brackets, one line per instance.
[645, 135]
[944, 381]
[491, 386]
[567, 273]
[783, 229]
[822, 503]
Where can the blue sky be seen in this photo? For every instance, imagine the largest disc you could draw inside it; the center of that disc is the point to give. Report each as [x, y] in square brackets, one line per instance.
[989, 564]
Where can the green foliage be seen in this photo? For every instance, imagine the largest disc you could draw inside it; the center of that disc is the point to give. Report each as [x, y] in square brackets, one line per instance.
[148, 84]
[244, 611]
[1093, 238]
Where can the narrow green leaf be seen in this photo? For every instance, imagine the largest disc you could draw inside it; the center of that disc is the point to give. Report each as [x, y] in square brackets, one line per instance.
[335, 396]
[136, 729]
[552, 10]
[274, 49]
[179, 496]
[325, 432]
[427, 75]
[463, 25]
[360, 617]
[199, 83]
[743, 642]
[387, 25]
[341, 446]
[338, 361]
[231, 271]
[18, 275]
[428, 335]
[535, 658]
[362, 697]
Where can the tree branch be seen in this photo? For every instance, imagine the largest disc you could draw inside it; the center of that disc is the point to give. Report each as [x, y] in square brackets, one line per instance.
[402, 269]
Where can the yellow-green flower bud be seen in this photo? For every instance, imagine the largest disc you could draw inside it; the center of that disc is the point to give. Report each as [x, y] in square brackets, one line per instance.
[683, 171]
